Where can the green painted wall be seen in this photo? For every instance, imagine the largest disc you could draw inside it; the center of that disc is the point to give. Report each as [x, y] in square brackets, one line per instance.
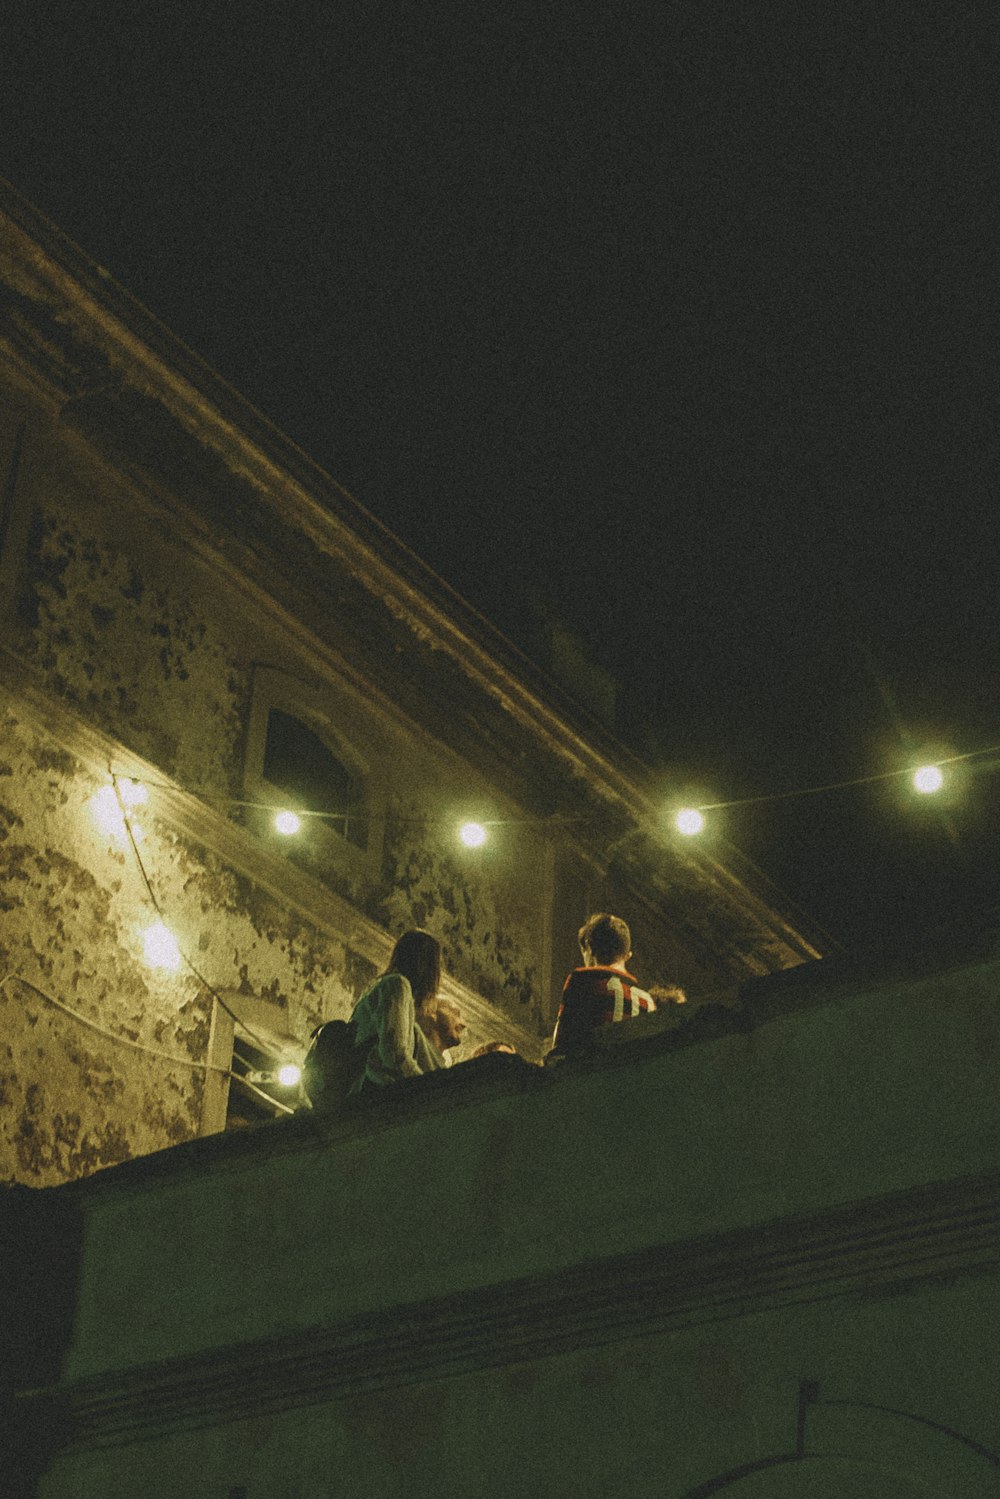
[613, 1277]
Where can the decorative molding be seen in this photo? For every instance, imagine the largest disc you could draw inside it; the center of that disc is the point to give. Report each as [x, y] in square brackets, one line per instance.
[864, 1249]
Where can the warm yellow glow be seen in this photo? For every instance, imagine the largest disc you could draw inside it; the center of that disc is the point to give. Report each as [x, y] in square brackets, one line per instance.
[472, 834]
[107, 809]
[689, 821]
[928, 778]
[107, 812]
[288, 823]
[160, 947]
[289, 1075]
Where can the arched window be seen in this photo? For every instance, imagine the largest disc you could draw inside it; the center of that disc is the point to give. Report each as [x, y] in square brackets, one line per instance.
[298, 761]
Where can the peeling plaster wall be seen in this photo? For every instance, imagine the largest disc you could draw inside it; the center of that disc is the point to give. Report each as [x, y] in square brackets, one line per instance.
[150, 581]
[73, 1100]
[135, 633]
[76, 1094]
[150, 646]
[121, 625]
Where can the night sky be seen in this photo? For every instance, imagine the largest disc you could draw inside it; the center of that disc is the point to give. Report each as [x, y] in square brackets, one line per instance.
[680, 316]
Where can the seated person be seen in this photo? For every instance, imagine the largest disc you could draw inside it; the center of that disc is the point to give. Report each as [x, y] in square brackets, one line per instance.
[602, 990]
[384, 1021]
[442, 1026]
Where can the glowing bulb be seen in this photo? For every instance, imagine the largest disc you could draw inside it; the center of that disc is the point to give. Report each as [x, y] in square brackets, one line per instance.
[288, 823]
[107, 809]
[107, 812]
[928, 778]
[160, 947]
[689, 821]
[289, 1075]
[472, 834]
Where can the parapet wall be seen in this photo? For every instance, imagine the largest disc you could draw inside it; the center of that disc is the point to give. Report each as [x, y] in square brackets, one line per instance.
[832, 1147]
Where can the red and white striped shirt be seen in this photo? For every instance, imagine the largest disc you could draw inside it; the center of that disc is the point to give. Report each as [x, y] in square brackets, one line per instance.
[596, 996]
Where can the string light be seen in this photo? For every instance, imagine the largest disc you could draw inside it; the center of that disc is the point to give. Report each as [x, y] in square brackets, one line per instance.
[183, 957]
[110, 807]
[928, 779]
[690, 821]
[160, 947]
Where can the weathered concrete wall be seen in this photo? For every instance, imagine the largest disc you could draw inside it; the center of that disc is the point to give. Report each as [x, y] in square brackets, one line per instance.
[136, 635]
[77, 1095]
[905, 1410]
[486, 904]
[770, 1256]
[132, 627]
[71, 917]
[168, 567]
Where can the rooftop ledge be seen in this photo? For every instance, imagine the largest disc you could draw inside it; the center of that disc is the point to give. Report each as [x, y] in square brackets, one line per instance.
[735, 1013]
[809, 1098]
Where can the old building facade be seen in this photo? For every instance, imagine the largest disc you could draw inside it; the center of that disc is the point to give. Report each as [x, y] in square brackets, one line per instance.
[192, 614]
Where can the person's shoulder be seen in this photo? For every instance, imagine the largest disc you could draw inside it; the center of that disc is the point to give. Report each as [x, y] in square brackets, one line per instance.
[588, 980]
[386, 988]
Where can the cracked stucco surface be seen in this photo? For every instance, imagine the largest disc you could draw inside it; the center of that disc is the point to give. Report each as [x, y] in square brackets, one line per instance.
[121, 636]
[73, 908]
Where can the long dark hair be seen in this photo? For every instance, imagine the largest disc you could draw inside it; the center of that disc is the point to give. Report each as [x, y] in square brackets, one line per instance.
[417, 956]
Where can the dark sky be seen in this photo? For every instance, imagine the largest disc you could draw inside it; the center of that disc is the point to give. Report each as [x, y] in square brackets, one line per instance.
[683, 315]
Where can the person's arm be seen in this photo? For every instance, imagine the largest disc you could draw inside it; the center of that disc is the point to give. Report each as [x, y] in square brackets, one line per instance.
[396, 1033]
[574, 1028]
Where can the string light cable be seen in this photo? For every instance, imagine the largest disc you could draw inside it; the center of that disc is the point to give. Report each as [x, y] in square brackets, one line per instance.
[474, 841]
[276, 808]
[561, 820]
[884, 775]
[210, 989]
[152, 1051]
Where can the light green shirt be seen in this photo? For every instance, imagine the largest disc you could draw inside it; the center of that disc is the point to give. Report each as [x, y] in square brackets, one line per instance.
[385, 1025]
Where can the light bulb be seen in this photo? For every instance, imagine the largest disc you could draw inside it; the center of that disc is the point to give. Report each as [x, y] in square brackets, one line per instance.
[928, 778]
[689, 821]
[160, 947]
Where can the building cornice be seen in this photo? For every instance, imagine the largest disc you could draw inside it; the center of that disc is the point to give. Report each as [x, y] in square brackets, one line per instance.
[59, 284]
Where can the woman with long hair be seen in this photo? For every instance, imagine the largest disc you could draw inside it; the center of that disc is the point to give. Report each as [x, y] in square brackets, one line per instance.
[384, 1021]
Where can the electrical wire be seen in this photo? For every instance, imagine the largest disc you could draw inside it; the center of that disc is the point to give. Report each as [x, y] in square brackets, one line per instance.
[151, 1051]
[745, 801]
[885, 775]
[258, 806]
[112, 1035]
[265, 1046]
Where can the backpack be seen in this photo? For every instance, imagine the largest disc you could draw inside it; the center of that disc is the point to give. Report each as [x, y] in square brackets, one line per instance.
[332, 1064]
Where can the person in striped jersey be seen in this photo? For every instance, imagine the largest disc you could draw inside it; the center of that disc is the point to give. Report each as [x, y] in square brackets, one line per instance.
[602, 990]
